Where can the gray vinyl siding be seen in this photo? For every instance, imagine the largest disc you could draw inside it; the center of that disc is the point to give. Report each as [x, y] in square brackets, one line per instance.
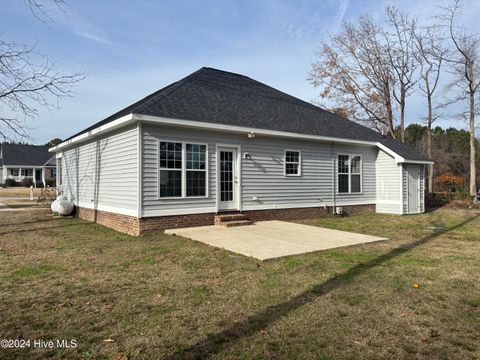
[405, 189]
[262, 176]
[103, 173]
[152, 205]
[388, 184]
[368, 195]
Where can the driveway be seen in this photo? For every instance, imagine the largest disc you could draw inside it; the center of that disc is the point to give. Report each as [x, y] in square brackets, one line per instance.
[273, 239]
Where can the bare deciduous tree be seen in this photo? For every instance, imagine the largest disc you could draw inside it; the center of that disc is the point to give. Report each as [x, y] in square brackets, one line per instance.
[465, 66]
[40, 8]
[430, 54]
[29, 80]
[353, 71]
[400, 41]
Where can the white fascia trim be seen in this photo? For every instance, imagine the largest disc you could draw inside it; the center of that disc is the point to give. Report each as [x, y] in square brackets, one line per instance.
[398, 158]
[421, 162]
[115, 124]
[241, 129]
[53, 157]
[130, 118]
[111, 209]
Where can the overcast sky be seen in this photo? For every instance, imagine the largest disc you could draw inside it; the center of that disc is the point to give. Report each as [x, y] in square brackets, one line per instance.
[132, 48]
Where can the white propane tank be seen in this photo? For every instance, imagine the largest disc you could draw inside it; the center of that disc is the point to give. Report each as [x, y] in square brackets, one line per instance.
[62, 206]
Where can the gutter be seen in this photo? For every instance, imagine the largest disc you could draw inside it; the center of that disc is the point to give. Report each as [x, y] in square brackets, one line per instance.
[132, 118]
[115, 124]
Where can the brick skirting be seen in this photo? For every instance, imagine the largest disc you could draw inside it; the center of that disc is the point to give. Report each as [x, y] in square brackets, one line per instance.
[135, 226]
[175, 221]
[126, 224]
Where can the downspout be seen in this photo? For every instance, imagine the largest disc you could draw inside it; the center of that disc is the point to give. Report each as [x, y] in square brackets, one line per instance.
[333, 178]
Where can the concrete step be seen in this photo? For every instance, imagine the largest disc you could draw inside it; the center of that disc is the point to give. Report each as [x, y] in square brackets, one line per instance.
[230, 217]
[235, 223]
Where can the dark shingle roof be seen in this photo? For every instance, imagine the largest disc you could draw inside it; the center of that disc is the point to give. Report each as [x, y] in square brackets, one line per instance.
[215, 96]
[29, 155]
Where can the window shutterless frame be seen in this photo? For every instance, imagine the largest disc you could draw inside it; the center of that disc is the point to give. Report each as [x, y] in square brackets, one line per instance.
[183, 170]
[299, 162]
[349, 162]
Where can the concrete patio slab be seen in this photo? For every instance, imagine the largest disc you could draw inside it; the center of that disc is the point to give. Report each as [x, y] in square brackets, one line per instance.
[273, 239]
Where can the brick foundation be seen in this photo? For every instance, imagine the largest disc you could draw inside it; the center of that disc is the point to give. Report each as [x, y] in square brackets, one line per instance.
[123, 223]
[135, 226]
[305, 213]
[175, 221]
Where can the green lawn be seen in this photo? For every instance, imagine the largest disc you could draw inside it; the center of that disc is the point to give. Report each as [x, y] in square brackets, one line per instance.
[157, 296]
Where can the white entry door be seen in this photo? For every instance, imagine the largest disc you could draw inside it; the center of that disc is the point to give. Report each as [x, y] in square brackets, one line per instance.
[228, 179]
[413, 189]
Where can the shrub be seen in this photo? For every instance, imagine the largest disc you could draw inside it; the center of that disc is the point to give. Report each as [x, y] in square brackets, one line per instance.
[50, 182]
[10, 182]
[449, 182]
[27, 182]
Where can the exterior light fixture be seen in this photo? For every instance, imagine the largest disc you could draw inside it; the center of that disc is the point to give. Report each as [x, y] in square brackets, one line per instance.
[251, 134]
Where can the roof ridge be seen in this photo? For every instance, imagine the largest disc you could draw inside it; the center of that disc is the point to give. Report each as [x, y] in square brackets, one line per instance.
[175, 86]
[228, 72]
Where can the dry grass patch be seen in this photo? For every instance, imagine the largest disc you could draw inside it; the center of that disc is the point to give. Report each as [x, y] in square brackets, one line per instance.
[159, 296]
[19, 191]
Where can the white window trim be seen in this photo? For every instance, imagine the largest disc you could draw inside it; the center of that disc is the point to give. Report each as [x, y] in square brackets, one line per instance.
[350, 156]
[184, 155]
[183, 170]
[285, 163]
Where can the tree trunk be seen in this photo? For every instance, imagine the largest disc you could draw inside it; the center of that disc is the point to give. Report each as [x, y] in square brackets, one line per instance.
[388, 105]
[402, 116]
[429, 144]
[473, 172]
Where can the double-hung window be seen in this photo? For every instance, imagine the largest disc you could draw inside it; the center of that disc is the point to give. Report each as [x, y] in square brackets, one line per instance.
[183, 170]
[170, 169]
[292, 163]
[349, 175]
[196, 169]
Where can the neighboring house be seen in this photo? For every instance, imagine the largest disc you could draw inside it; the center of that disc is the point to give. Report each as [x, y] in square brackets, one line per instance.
[217, 141]
[18, 162]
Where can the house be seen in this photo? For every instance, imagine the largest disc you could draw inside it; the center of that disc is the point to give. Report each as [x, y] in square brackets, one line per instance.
[216, 141]
[18, 162]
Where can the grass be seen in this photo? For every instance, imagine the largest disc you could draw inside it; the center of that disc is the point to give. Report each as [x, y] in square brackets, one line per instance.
[157, 296]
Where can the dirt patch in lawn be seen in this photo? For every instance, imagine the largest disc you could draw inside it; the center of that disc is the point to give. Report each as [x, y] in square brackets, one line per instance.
[158, 296]
[24, 204]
